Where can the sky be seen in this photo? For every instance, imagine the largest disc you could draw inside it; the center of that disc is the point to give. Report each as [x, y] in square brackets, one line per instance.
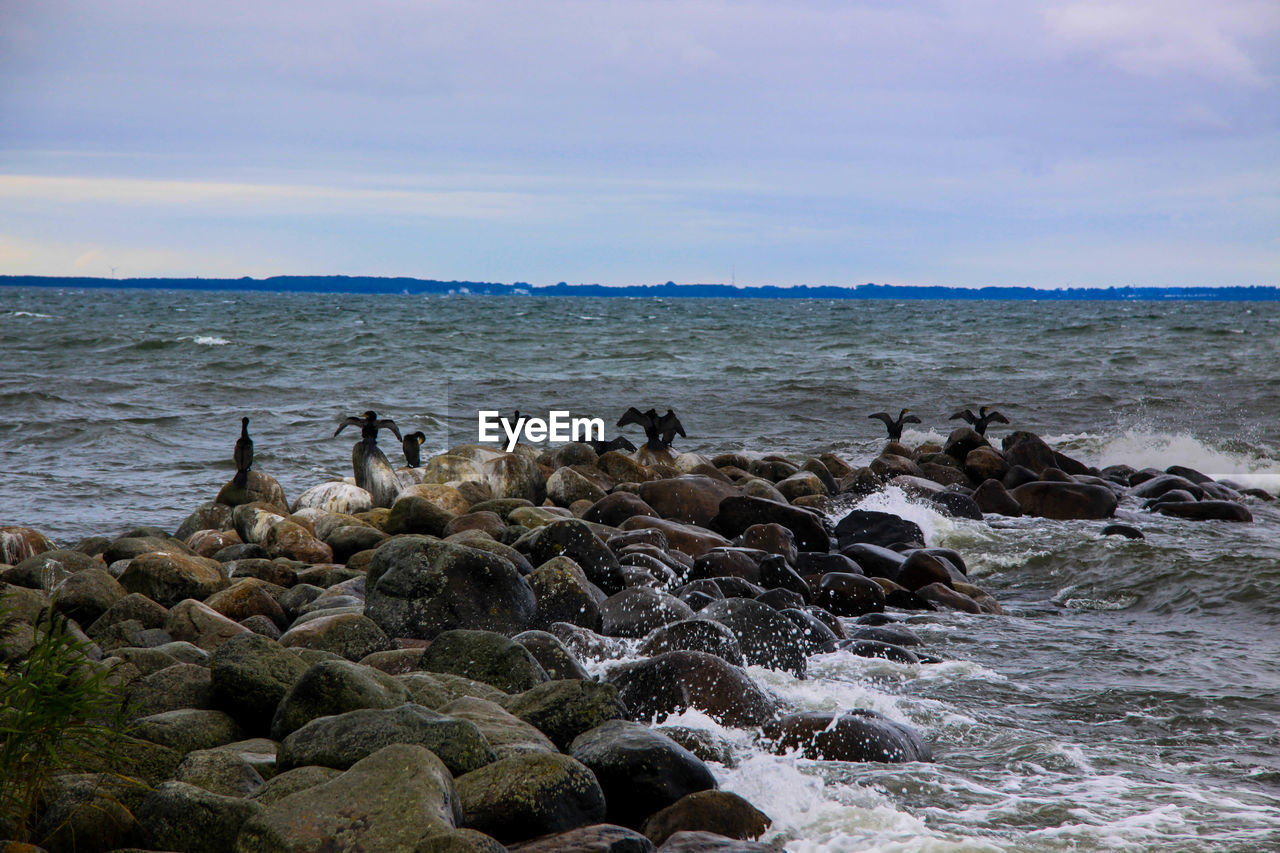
[988, 142]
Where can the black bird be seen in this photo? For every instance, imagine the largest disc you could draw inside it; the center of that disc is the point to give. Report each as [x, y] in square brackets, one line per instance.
[243, 455]
[603, 447]
[658, 430]
[369, 426]
[411, 443]
[895, 427]
[980, 420]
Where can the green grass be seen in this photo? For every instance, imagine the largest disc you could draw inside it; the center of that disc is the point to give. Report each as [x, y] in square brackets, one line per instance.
[59, 713]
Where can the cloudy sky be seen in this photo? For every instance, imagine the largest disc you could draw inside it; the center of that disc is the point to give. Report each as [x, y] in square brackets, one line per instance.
[1007, 142]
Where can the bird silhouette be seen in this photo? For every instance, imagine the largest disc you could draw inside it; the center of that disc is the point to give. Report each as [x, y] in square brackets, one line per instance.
[369, 425]
[243, 455]
[981, 420]
[895, 426]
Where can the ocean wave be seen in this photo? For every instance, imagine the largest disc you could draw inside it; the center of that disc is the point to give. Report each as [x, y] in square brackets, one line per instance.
[33, 314]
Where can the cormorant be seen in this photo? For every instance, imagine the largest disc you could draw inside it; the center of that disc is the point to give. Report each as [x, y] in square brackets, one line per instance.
[411, 443]
[895, 427]
[658, 430]
[243, 455]
[603, 447]
[369, 426]
[980, 420]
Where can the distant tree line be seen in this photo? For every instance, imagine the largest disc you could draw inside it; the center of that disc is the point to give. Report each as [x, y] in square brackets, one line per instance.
[402, 285]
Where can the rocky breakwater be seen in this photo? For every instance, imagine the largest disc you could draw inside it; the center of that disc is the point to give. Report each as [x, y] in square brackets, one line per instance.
[488, 663]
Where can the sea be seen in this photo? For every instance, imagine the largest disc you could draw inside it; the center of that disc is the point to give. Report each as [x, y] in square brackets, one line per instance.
[1128, 699]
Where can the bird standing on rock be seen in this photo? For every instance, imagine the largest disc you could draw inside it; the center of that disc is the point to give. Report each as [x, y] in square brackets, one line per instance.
[658, 430]
[980, 420]
[243, 455]
[369, 426]
[895, 426]
[411, 443]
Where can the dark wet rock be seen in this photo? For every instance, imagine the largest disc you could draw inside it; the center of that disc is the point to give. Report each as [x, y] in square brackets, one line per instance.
[385, 802]
[689, 499]
[771, 538]
[857, 735]
[692, 841]
[146, 542]
[650, 536]
[810, 563]
[862, 526]
[415, 514]
[484, 522]
[816, 637]
[484, 656]
[551, 654]
[587, 644]
[877, 649]
[562, 710]
[474, 539]
[332, 687]
[921, 568]
[698, 635]
[1019, 475]
[776, 574]
[944, 596]
[738, 513]
[781, 599]
[1128, 531]
[249, 675]
[1157, 486]
[1065, 500]
[640, 770]
[674, 681]
[636, 612]
[888, 465]
[726, 562]
[615, 508]
[766, 637]
[352, 539]
[849, 595]
[526, 796]
[459, 841]
[1028, 450]
[721, 812]
[241, 551]
[178, 816]
[339, 741]
[1207, 511]
[891, 632]
[207, 516]
[566, 486]
[418, 587]
[692, 540]
[956, 505]
[962, 441]
[731, 587]
[292, 781]
[167, 578]
[600, 838]
[991, 496]
[985, 463]
[576, 540]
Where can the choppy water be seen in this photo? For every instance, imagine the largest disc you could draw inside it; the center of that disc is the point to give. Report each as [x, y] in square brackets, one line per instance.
[1129, 699]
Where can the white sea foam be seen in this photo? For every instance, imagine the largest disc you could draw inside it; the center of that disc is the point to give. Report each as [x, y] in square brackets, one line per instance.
[33, 314]
[1146, 448]
[205, 340]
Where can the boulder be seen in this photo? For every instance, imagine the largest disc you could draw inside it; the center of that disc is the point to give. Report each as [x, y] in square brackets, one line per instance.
[339, 741]
[208, 516]
[1028, 450]
[566, 486]
[696, 635]
[676, 681]
[1065, 500]
[87, 594]
[178, 816]
[484, 656]
[168, 578]
[692, 540]
[292, 541]
[415, 514]
[565, 594]
[249, 675]
[641, 771]
[863, 526]
[418, 587]
[562, 710]
[551, 654]
[384, 803]
[337, 496]
[331, 687]
[721, 812]
[739, 513]
[182, 685]
[199, 624]
[248, 597]
[857, 735]
[615, 508]
[188, 729]
[220, 771]
[599, 838]
[505, 733]
[766, 637]
[576, 540]
[350, 635]
[847, 594]
[636, 612]
[529, 795]
[991, 496]
[1206, 511]
[689, 499]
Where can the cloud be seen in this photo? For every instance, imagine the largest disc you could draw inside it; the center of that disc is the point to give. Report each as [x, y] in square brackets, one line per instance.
[1155, 38]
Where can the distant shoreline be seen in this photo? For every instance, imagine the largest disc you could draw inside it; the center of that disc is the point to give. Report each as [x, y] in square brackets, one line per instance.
[416, 286]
